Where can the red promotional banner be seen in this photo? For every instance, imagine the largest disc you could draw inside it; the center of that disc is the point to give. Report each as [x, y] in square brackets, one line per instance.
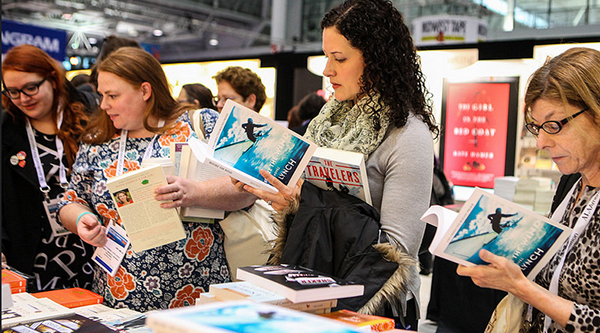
[476, 128]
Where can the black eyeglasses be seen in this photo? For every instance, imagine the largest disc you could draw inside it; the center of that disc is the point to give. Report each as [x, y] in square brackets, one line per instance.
[28, 90]
[551, 126]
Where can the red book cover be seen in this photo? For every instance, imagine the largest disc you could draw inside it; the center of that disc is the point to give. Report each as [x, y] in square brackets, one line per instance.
[375, 323]
[71, 297]
[18, 281]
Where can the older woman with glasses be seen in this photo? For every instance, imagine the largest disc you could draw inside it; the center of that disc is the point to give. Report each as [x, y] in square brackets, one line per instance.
[41, 126]
[562, 106]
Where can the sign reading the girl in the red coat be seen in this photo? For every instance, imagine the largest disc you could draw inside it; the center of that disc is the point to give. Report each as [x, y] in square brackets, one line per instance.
[476, 131]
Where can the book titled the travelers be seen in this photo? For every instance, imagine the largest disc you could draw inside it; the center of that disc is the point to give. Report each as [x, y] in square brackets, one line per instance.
[185, 165]
[487, 221]
[299, 284]
[335, 169]
[243, 142]
[242, 316]
[147, 224]
[71, 297]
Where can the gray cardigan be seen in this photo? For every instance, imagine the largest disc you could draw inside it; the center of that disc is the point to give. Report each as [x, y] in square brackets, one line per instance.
[400, 175]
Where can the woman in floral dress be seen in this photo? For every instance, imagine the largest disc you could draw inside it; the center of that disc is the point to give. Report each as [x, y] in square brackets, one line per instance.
[139, 114]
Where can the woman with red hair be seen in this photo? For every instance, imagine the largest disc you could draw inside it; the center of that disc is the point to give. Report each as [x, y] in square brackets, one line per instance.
[41, 126]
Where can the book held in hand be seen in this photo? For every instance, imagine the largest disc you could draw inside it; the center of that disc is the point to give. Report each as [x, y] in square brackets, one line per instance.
[243, 142]
[299, 284]
[344, 171]
[242, 316]
[147, 224]
[487, 221]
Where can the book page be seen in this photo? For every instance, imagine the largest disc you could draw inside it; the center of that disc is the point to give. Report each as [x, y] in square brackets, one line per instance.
[147, 224]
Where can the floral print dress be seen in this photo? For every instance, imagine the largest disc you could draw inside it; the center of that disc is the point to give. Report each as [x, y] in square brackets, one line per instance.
[172, 275]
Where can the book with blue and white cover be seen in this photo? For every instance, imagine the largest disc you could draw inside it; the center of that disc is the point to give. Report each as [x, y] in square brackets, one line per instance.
[242, 316]
[487, 221]
[244, 142]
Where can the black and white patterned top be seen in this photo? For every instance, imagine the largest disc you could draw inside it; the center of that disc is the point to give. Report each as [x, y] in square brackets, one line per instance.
[580, 277]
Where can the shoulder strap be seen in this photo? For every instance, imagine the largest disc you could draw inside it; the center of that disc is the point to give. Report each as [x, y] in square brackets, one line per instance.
[197, 124]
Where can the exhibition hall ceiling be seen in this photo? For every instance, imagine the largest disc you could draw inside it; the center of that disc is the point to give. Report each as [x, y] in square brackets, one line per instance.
[181, 26]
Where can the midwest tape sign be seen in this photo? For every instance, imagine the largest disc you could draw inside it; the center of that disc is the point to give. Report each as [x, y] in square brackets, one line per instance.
[50, 40]
[448, 29]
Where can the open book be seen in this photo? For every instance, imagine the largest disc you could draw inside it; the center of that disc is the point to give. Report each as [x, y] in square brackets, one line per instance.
[344, 171]
[147, 224]
[487, 221]
[244, 142]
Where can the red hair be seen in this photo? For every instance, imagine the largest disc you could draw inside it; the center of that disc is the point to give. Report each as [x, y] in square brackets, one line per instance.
[30, 59]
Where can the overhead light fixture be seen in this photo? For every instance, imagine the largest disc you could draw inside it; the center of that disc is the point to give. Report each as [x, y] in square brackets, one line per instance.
[157, 32]
[214, 40]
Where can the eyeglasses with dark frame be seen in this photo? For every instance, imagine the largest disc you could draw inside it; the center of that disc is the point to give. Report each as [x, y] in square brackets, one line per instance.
[29, 90]
[552, 126]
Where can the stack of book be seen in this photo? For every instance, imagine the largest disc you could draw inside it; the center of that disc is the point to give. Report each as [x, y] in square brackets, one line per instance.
[71, 297]
[527, 188]
[506, 187]
[19, 282]
[243, 290]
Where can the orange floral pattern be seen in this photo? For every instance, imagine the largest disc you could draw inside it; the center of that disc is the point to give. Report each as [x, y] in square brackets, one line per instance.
[121, 284]
[179, 133]
[186, 296]
[71, 196]
[166, 276]
[198, 246]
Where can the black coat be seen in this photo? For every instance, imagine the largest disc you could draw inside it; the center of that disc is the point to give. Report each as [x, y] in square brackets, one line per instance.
[334, 233]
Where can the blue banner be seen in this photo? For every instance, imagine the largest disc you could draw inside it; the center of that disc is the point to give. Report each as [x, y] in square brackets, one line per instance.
[50, 40]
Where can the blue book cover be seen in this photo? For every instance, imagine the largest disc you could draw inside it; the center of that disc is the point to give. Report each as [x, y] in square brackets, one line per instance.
[244, 142]
[487, 221]
[242, 317]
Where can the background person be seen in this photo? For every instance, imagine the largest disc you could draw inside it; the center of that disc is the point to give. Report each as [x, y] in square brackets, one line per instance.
[379, 109]
[308, 108]
[562, 109]
[197, 94]
[136, 101]
[240, 85]
[41, 128]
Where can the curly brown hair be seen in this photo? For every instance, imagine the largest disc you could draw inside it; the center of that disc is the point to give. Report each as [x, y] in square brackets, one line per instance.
[392, 66]
[31, 59]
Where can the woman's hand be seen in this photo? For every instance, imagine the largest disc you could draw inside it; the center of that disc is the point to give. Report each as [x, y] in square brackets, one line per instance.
[501, 273]
[181, 192]
[91, 231]
[281, 200]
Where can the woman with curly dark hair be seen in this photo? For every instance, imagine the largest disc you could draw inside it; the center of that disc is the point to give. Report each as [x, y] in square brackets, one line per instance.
[41, 127]
[380, 108]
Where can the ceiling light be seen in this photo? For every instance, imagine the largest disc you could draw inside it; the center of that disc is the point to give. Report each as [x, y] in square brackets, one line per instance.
[157, 32]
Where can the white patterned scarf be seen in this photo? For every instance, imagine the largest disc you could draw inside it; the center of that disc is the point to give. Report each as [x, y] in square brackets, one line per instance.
[341, 125]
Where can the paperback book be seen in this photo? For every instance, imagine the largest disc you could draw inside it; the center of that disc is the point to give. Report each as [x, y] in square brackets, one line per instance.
[148, 225]
[487, 221]
[19, 282]
[243, 142]
[344, 171]
[242, 316]
[244, 290]
[299, 284]
[65, 324]
[26, 309]
[368, 322]
[71, 297]
[185, 165]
